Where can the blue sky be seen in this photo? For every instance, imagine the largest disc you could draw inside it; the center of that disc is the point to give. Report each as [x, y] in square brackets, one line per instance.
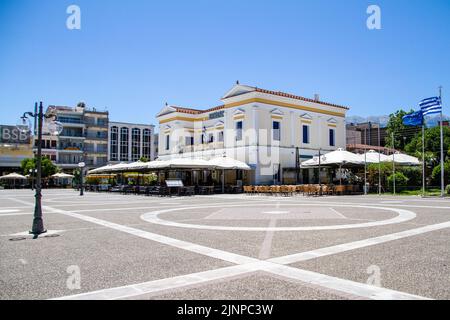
[132, 56]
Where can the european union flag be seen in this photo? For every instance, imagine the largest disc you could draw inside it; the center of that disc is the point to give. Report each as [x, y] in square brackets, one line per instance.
[413, 119]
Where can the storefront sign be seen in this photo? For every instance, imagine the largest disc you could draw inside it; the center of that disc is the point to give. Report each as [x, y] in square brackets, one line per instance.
[218, 114]
[12, 135]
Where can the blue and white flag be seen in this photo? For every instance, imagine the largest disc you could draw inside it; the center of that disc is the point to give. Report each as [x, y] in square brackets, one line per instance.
[430, 105]
[413, 119]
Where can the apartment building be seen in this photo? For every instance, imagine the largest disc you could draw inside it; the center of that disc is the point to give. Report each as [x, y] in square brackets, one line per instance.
[84, 137]
[128, 142]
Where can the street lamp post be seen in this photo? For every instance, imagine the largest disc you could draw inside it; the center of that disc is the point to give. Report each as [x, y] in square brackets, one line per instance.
[32, 174]
[38, 223]
[81, 165]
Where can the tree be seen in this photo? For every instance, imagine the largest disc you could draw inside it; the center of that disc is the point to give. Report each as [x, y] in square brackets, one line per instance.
[373, 172]
[48, 168]
[436, 174]
[401, 132]
[432, 145]
[400, 179]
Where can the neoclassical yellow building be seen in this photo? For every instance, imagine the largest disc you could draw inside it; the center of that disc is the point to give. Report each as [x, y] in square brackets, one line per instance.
[266, 129]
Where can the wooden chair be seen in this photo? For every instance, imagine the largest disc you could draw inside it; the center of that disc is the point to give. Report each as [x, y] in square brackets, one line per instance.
[340, 190]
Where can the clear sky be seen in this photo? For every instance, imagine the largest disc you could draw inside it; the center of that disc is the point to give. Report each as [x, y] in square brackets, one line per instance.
[133, 56]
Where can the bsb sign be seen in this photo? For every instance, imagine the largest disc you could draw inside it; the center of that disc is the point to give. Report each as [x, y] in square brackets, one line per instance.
[10, 134]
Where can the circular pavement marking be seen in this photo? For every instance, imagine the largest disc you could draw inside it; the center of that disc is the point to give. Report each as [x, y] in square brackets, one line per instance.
[403, 215]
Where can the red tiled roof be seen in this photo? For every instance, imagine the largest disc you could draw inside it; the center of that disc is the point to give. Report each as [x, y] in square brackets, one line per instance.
[197, 111]
[276, 93]
[292, 96]
[188, 110]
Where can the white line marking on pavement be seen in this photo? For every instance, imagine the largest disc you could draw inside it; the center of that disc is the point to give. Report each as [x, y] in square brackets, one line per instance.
[161, 284]
[313, 254]
[309, 277]
[27, 233]
[347, 286]
[9, 210]
[15, 214]
[266, 246]
[249, 264]
[20, 201]
[338, 213]
[403, 216]
[246, 264]
[214, 253]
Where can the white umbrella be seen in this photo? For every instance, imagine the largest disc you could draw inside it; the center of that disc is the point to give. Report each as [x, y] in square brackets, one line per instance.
[403, 159]
[119, 167]
[138, 165]
[311, 162]
[156, 164]
[13, 176]
[188, 163]
[229, 164]
[62, 175]
[373, 157]
[338, 157]
[106, 168]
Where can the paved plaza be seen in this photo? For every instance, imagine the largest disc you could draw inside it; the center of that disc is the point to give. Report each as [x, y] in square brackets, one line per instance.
[113, 246]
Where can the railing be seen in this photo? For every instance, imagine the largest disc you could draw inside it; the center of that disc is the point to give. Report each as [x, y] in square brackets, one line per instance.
[75, 121]
[96, 124]
[99, 137]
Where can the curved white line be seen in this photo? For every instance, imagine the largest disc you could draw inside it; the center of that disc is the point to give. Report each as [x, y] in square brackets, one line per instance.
[403, 215]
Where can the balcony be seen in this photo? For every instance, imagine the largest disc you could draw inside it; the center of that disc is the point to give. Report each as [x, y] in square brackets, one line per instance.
[70, 149]
[93, 123]
[96, 136]
[66, 133]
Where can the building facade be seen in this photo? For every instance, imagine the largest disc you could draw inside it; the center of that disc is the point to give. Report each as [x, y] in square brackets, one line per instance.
[15, 146]
[367, 133]
[84, 137]
[271, 131]
[129, 142]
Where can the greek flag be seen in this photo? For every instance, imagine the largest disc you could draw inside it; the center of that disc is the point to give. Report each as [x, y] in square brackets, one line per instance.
[430, 105]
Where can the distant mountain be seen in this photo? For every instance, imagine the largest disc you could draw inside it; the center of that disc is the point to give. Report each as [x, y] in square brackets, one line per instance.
[383, 120]
[431, 121]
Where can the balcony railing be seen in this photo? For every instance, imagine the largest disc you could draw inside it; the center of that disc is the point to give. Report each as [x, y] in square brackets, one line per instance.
[96, 124]
[96, 137]
[74, 121]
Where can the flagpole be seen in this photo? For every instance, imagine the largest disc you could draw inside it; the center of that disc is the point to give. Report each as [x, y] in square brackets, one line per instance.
[393, 161]
[365, 171]
[423, 158]
[379, 161]
[442, 145]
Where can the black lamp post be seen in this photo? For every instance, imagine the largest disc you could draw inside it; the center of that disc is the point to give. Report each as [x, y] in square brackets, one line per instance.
[81, 165]
[38, 223]
[32, 174]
